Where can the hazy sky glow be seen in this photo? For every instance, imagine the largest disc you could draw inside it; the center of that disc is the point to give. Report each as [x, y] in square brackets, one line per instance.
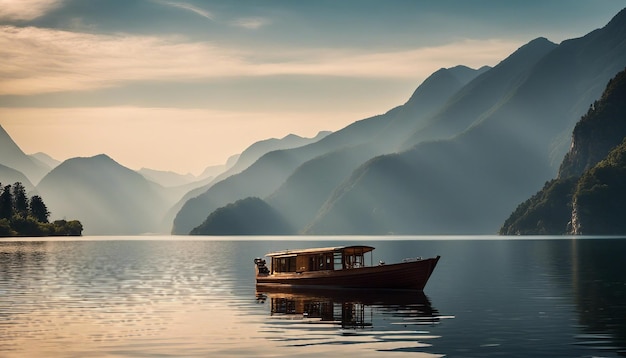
[180, 85]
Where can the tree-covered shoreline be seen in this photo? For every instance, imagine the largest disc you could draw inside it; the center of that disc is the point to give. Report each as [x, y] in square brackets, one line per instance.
[23, 216]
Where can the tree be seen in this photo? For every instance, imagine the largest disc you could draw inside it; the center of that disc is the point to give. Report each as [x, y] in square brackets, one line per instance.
[38, 209]
[6, 203]
[20, 200]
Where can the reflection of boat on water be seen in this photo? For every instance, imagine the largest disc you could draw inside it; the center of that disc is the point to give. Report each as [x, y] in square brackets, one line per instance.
[348, 308]
[343, 266]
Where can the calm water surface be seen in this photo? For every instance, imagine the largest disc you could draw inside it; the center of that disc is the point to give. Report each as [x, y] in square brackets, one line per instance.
[172, 297]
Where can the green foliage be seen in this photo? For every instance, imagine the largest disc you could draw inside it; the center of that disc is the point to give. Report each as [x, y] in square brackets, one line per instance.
[20, 216]
[20, 200]
[5, 228]
[600, 198]
[38, 209]
[546, 213]
[598, 131]
[67, 228]
[6, 203]
[250, 216]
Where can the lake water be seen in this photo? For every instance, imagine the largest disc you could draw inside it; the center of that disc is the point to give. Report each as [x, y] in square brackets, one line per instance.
[195, 297]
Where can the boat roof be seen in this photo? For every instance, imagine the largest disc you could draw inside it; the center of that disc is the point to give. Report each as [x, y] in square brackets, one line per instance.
[350, 250]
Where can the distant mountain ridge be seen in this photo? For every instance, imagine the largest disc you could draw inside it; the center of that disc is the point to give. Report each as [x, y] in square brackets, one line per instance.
[455, 158]
[455, 168]
[109, 198]
[374, 135]
[106, 197]
[255, 150]
[8, 176]
[166, 178]
[13, 157]
[481, 96]
[466, 184]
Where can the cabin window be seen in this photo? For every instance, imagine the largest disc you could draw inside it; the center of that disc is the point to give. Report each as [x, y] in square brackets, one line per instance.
[285, 264]
[337, 261]
[353, 261]
[321, 262]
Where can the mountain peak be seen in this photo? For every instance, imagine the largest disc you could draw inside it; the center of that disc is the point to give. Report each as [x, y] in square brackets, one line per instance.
[617, 25]
[619, 18]
[444, 80]
[7, 144]
[12, 156]
[533, 49]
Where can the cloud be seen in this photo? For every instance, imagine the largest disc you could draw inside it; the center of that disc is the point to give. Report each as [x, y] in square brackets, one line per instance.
[26, 9]
[189, 7]
[251, 23]
[37, 60]
[42, 60]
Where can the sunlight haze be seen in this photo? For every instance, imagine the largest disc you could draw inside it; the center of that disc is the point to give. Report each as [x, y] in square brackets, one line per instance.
[181, 85]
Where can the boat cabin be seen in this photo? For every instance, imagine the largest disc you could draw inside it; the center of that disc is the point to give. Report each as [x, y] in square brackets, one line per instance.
[319, 259]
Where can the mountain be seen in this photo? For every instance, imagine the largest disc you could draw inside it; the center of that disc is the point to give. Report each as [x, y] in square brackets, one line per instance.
[13, 157]
[374, 135]
[8, 176]
[599, 202]
[587, 196]
[299, 198]
[215, 170]
[250, 216]
[482, 95]
[465, 183]
[243, 161]
[166, 178]
[106, 197]
[44, 158]
[258, 149]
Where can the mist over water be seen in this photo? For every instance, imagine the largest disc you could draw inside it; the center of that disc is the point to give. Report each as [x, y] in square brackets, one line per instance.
[137, 296]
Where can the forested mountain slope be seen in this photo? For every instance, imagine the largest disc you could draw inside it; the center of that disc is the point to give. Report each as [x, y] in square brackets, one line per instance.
[589, 193]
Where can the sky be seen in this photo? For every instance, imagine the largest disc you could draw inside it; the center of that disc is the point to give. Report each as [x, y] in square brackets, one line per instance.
[184, 84]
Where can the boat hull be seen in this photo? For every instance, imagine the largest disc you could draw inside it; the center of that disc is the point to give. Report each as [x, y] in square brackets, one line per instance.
[411, 275]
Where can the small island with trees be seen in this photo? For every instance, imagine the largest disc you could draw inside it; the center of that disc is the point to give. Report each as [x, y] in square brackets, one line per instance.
[21, 216]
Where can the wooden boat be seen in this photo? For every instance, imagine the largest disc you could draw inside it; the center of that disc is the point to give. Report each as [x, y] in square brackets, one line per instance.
[343, 267]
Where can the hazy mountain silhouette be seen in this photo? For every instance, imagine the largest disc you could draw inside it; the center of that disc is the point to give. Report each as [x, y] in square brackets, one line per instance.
[308, 188]
[589, 194]
[374, 135]
[166, 178]
[13, 157]
[482, 95]
[47, 160]
[215, 170]
[235, 165]
[305, 191]
[106, 197]
[467, 183]
[9, 176]
[258, 149]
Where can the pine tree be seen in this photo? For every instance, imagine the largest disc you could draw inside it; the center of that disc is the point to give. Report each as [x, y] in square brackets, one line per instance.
[6, 203]
[20, 200]
[38, 209]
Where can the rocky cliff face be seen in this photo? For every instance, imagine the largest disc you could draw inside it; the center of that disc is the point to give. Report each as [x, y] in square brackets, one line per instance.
[599, 131]
[599, 202]
[588, 195]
